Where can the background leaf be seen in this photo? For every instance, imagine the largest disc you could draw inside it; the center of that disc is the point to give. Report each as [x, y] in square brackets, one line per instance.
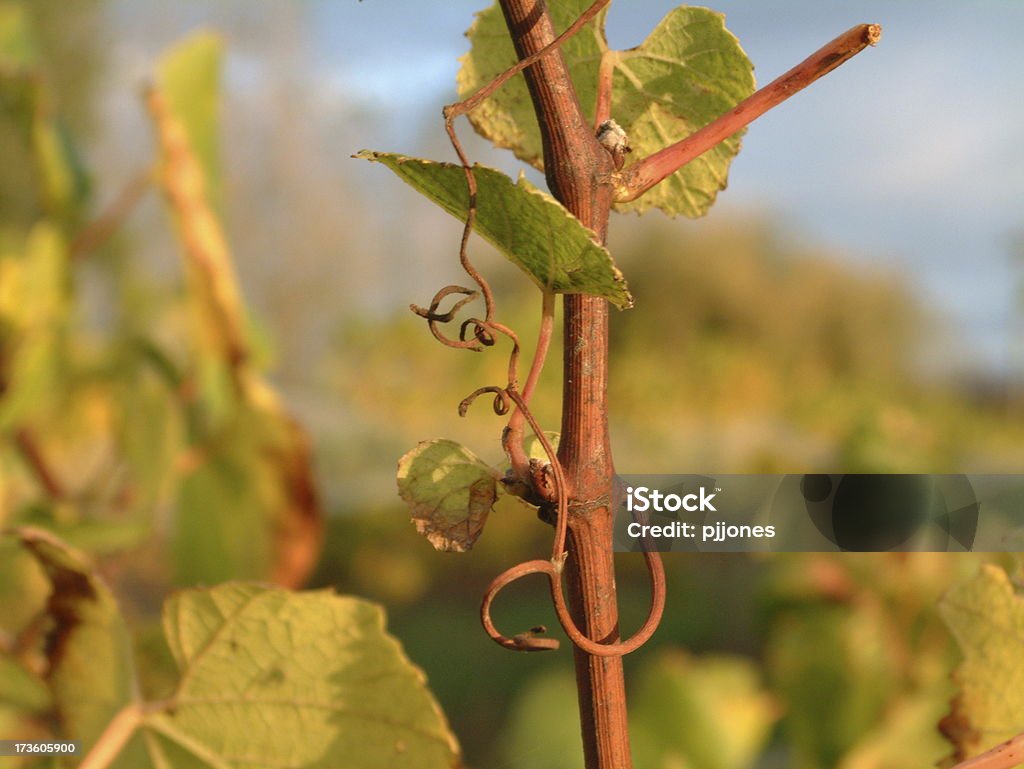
[527, 225]
[250, 507]
[450, 492]
[543, 730]
[34, 309]
[316, 669]
[18, 49]
[22, 690]
[687, 72]
[27, 98]
[91, 674]
[704, 713]
[694, 712]
[986, 616]
[832, 662]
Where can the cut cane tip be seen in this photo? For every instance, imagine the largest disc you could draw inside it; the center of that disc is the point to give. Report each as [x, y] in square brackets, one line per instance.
[873, 34]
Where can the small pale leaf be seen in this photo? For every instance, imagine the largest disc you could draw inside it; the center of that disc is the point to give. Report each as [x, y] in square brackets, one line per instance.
[535, 449]
[527, 225]
[986, 616]
[450, 492]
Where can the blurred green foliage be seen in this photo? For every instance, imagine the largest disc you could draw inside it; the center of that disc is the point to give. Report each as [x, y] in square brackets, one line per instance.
[746, 352]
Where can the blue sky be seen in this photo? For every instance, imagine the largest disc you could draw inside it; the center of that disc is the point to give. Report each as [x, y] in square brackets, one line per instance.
[908, 156]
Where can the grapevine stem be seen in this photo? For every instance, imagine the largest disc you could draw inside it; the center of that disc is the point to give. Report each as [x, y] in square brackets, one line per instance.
[1004, 756]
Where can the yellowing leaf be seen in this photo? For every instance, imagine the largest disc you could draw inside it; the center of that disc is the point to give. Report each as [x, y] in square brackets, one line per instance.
[527, 225]
[91, 673]
[268, 678]
[305, 680]
[188, 75]
[688, 71]
[450, 492]
[250, 508]
[986, 616]
[213, 287]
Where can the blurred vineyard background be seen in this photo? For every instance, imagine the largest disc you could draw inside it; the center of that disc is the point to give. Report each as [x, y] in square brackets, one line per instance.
[132, 426]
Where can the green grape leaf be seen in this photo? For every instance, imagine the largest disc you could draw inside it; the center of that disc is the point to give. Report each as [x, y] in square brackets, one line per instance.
[507, 117]
[189, 77]
[91, 675]
[450, 492]
[527, 225]
[689, 71]
[986, 616]
[705, 713]
[306, 680]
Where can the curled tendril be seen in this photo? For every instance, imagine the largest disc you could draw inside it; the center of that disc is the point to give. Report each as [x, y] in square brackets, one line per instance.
[481, 333]
[502, 403]
[434, 317]
[553, 569]
[477, 333]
